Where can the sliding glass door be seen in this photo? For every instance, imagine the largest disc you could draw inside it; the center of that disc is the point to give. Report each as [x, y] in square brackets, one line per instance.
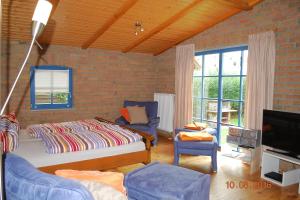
[219, 88]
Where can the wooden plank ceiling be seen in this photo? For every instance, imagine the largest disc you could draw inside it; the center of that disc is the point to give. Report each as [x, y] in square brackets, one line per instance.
[109, 24]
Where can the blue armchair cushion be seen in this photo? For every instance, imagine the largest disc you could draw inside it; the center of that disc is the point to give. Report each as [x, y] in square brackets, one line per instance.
[163, 181]
[137, 115]
[151, 107]
[121, 121]
[24, 182]
[141, 127]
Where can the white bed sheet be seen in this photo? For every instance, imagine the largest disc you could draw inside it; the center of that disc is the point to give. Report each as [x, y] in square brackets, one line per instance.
[34, 151]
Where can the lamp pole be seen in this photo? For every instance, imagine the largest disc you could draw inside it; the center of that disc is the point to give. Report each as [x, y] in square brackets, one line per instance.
[40, 19]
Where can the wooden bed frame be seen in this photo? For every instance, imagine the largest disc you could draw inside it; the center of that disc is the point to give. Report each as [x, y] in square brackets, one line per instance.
[111, 161]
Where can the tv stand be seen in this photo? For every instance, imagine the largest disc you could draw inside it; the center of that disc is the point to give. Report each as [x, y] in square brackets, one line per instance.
[284, 153]
[270, 169]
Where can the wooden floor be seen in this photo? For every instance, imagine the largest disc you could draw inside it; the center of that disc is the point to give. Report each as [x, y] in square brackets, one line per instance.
[229, 169]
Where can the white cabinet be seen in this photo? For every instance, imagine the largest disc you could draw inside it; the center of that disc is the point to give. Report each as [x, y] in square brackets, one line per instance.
[270, 163]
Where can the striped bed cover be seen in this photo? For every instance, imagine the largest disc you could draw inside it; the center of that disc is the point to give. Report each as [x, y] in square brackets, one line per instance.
[9, 132]
[81, 135]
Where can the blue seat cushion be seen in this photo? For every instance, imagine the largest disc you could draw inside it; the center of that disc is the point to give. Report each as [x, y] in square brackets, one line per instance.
[196, 144]
[24, 182]
[163, 181]
[141, 127]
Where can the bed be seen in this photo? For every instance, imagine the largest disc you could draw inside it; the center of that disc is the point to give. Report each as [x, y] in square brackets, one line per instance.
[33, 150]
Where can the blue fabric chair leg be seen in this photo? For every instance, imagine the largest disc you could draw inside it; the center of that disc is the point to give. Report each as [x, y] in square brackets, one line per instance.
[176, 154]
[214, 160]
[154, 133]
[155, 140]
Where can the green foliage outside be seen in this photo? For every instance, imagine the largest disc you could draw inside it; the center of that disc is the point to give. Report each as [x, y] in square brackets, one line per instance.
[61, 97]
[231, 89]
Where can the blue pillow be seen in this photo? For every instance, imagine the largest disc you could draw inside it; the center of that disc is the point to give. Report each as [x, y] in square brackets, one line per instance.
[23, 181]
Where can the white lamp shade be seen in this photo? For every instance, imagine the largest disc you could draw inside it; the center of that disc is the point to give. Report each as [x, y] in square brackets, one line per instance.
[42, 12]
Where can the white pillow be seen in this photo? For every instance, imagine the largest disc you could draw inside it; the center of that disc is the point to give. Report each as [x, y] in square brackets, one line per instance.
[102, 192]
[24, 136]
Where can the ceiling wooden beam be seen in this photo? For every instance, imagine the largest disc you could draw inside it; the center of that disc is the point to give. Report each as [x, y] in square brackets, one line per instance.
[163, 25]
[239, 4]
[195, 33]
[125, 7]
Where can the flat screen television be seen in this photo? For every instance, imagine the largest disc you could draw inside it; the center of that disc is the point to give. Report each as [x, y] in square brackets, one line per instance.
[281, 131]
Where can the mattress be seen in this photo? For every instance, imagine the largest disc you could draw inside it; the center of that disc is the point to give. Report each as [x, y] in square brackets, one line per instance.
[34, 151]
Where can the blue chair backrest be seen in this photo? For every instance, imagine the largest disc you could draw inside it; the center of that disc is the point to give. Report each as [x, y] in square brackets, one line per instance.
[151, 106]
[23, 182]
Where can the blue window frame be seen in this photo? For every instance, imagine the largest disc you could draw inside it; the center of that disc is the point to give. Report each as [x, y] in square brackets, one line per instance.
[219, 87]
[50, 87]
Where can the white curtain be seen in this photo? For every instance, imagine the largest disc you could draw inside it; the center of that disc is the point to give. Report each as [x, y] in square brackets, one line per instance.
[260, 78]
[184, 68]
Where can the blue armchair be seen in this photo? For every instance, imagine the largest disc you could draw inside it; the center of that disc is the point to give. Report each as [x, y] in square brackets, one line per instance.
[151, 110]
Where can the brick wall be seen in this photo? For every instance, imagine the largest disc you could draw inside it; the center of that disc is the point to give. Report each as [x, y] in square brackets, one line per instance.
[165, 72]
[280, 15]
[102, 80]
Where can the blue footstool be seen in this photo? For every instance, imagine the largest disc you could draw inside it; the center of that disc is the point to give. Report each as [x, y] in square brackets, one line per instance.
[196, 147]
[167, 182]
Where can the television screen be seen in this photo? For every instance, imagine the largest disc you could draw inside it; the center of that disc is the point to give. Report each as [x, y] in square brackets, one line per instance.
[281, 130]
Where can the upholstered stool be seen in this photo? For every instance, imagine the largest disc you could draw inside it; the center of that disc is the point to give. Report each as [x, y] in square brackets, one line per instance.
[196, 147]
[163, 181]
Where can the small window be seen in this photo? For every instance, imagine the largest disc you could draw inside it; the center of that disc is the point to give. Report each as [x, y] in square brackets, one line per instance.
[50, 87]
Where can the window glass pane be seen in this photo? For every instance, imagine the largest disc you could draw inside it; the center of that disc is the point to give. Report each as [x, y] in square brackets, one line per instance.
[210, 111]
[211, 124]
[223, 134]
[198, 66]
[42, 96]
[245, 61]
[211, 65]
[196, 109]
[231, 88]
[242, 114]
[197, 86]
[60, 97]
[210, 85]
[61, 79]
[231, 63]
[42, 79]
[230, 112]
[244, 87]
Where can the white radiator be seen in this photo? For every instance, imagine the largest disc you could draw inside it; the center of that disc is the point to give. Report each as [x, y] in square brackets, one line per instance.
[165, 110]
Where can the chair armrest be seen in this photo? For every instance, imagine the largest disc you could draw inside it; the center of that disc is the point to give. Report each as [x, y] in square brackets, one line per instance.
[146, 136]
[121, 121]
[154, 122]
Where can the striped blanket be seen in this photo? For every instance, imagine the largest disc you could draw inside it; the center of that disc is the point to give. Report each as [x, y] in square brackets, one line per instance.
[9, 132]
[81, 135]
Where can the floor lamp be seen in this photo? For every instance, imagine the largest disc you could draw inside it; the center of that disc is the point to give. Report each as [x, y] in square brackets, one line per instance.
[39, 20]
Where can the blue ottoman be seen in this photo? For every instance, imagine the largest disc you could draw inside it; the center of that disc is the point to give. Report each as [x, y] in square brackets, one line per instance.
[196, 147]
[167, 182]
